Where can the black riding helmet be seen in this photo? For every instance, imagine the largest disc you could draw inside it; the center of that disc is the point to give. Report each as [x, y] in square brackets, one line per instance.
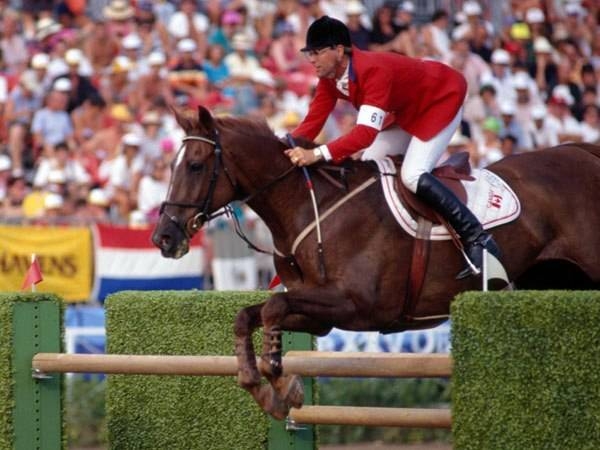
[326, 32]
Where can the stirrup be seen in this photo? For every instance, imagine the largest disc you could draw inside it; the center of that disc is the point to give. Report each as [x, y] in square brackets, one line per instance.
[475, 260]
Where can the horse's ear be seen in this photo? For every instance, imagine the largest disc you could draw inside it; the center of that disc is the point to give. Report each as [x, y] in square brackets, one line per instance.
[205, 117]
[183, 121]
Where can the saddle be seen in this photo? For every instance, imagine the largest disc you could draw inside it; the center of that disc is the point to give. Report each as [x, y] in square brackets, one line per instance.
[450, 172]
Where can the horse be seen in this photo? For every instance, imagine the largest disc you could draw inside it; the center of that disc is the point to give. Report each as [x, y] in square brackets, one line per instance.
[355, 278]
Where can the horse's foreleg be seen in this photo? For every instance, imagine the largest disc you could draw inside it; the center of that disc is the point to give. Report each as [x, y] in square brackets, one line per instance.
[289, 312]
[247, 320]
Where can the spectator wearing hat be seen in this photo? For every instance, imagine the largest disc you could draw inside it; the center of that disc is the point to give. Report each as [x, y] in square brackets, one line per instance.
[476, 29]
[540, 134]
[188, 22]
[242, 64]
[115, 87]
[23, 102]
[61, 168]
[511, 126]
[560, 118]
[151, 136]
[527, 96]
[119, 15]
[500, 75]
[39, 64]
[52, 124]
[187, 78]
[153, 85]
[545, 70]
[356, 19]
[126, 171]
[45, 29]
[95, 208]
[131, 47]
[81, 85]
[12, 43]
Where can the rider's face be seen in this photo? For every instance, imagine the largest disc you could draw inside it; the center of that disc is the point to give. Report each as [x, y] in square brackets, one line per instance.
[327, 61]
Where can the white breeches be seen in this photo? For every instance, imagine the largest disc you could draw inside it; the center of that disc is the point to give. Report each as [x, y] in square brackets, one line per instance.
[419, 156]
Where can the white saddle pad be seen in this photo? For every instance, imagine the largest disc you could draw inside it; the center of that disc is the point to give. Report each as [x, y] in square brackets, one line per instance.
[492, 201]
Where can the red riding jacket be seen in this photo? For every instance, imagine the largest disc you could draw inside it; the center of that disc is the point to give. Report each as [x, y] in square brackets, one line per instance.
[420, 96]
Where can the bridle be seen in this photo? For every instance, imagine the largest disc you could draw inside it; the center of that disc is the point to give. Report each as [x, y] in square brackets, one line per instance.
[201, 213]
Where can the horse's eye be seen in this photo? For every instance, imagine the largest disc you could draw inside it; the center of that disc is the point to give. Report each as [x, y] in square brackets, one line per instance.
[195, 166]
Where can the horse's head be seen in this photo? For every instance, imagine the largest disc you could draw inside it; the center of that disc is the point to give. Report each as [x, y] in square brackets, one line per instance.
[199, 185]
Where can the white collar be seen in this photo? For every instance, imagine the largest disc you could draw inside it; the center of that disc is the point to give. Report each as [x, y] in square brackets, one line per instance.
[342, 83]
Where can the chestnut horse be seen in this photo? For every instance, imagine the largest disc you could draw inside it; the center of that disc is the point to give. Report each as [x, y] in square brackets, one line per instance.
[554, 243]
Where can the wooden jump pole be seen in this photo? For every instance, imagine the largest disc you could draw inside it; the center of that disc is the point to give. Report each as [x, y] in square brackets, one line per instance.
[372, 417]
[304, 363]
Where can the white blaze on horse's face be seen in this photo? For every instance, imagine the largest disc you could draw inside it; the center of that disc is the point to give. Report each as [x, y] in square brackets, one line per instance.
[180, 156]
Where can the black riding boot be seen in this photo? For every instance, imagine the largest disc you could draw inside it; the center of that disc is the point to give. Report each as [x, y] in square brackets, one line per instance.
[464, 222]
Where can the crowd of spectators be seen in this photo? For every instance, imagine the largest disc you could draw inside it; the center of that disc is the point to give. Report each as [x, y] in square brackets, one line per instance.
[86, 134]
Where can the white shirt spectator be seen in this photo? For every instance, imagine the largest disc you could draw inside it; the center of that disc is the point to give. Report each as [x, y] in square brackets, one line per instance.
[178, 26]
[121, 174]
[72, 171]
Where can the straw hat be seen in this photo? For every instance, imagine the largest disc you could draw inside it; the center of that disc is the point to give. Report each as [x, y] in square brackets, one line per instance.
[151, 118]
[45, 27]
[118, 10]
[120, 111]
[98, 197]
[62, 85]
[40, 61]
[131, 140]
[53, 201]
[354, 8]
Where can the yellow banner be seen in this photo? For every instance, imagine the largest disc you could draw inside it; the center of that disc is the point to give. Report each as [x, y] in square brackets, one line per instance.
[64, 255]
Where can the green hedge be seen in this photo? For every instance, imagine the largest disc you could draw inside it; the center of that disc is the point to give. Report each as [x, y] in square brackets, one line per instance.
[15, 366]
[169, 412]
[527, 371]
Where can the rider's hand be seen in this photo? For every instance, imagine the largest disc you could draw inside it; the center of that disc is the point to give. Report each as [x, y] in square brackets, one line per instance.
[301, 156]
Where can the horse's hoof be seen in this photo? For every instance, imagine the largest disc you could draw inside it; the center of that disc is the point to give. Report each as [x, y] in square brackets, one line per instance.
[272, 404]
[293, 394]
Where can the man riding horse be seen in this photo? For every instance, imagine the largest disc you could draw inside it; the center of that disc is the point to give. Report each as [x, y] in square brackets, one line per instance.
[405, 106]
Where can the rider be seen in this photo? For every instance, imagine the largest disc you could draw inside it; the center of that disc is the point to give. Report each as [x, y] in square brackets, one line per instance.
[405, 105]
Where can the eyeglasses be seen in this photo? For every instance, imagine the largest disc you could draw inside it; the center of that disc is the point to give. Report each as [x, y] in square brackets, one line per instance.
[316, 52]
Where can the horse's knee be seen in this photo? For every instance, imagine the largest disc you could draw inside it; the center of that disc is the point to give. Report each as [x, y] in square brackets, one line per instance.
[275, 309]
[242, 323]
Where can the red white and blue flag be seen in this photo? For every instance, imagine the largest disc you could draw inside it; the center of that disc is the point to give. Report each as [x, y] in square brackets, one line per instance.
[126, 259]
